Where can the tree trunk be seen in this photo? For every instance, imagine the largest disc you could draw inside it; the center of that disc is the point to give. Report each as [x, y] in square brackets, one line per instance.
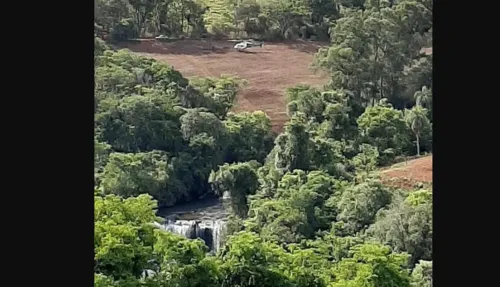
[418, 145]
[182, 20]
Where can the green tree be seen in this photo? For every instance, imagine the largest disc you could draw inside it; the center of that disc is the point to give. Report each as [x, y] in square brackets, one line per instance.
[422, 274]
[133, 174]
[371, 48]
[109, 13]
[219, 19]
[101, 280]
[127, 245]
[385, 128]
[328, 155]
[334, 248]
[407, 226]
[283, 13]
[366, 160]
[418, 122]
[328, 108]
[360, 203]
[372, 265]
[418, 74]
[182, 262]
[248, 14]
[196, 121]
[207, 140]
[139, 123]
[140, 11]
[298, 208]
[238, 181]
[250, 137]
[101, 154]
[424, 97]
[293, 146]
[219, 93]
[248, 261]
[123, 235]
[99, 47]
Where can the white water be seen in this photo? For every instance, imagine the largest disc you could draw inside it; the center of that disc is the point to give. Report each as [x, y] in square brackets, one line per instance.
[210, 232]
[204, 219]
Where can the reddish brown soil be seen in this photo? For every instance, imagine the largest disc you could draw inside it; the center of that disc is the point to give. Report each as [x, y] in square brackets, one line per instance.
[407, 175]
[268, 70]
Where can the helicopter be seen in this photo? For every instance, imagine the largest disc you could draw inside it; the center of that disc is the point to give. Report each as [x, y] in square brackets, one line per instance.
[242, 46]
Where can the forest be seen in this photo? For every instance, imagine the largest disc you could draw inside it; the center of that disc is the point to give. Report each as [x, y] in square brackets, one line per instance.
[307, 206]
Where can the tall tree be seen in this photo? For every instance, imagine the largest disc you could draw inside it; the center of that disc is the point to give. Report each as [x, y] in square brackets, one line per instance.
[283, 13]
[250, 137]
[237, 180]
[359, 204]
[417, 121]
[422, 274]
[141, 11]
[406, 226]
[366, 160]
[372, 265]
[123, 235]
[424, 97]
[385, 128]
[293, 146]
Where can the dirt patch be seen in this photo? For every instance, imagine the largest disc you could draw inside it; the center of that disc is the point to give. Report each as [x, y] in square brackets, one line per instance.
[268, 70]
[408, 174]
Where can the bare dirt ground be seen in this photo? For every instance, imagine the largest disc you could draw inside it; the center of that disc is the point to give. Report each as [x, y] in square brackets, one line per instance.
[407, 174]
[268, 70]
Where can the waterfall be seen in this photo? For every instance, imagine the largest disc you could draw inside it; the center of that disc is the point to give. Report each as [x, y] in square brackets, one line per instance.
[210, 231]
[204, 219]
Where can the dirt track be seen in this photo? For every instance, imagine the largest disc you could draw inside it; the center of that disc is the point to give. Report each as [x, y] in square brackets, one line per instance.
[268, 70]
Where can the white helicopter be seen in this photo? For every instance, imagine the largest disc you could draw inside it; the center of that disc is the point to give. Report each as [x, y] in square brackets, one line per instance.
[242, 46]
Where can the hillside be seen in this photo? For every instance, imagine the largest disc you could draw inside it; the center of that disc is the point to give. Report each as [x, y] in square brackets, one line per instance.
[408, 174]
[268, 70]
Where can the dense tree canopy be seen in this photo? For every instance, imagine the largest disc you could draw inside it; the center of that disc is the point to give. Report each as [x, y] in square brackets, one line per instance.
[308, 206]
[269, 19]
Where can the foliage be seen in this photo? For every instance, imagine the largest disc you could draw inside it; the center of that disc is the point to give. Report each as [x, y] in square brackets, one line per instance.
[250, 137]
[297, 209]
[123, 235]
[407, 226]
[238, 181]
[334, 248]
[422, 274]
[384, 127]
[219, 93]
[146, 108]
[372, 47]
[366, 160]
[329, 109]
[269, 19]
[101, 155]
[182, 263]
[127, 245]
[219, 19]
[359, 205]
[247, 261]
[133, 174]
[306, 206]
[293, 146]
[371, 265]
[283, 14]
[419, 124]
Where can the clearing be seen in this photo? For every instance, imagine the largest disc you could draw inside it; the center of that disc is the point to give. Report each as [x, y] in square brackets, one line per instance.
[407, 174]
[268, 70]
